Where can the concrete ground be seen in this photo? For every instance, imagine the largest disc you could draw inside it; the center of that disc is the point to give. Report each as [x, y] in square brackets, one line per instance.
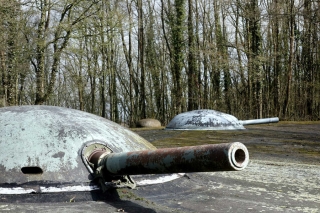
[283, 176]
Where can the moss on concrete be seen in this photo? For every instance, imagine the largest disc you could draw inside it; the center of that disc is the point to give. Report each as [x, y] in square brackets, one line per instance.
[299, 140]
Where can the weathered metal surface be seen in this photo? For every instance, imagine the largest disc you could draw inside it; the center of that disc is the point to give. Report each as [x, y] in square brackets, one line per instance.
[211, 120]
[50, 139]
[205, 158]
[260, 121]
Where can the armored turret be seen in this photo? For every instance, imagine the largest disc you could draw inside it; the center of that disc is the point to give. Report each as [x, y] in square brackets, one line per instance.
[212, 120]
[52, 149]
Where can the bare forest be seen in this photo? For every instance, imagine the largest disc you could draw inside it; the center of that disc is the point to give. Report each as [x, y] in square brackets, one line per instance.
[131, 59]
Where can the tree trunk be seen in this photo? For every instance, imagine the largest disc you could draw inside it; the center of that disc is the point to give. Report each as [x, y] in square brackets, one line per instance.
[192, 67]
[142, 91]
[290, 62]
[178, 52]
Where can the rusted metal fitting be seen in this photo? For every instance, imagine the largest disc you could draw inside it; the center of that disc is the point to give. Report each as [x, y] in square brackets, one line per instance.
[96, 156]
[205, 158]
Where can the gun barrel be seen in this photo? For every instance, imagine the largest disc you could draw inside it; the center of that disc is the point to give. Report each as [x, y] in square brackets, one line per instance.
[205, 158]
[260, 121]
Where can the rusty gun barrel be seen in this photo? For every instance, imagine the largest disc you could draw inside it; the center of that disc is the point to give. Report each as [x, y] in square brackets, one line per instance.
[204, 158]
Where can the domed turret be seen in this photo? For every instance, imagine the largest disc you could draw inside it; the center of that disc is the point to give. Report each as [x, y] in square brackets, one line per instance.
[50, 149]
[206, 119]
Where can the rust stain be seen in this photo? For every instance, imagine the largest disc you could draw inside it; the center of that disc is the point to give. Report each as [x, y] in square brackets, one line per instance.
[213, 157]
[58, 155]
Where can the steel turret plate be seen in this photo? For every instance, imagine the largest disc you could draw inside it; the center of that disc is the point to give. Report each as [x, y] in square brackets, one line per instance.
[204, 120]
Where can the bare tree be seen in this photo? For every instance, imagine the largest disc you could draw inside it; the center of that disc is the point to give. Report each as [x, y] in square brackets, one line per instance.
[55, 36]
